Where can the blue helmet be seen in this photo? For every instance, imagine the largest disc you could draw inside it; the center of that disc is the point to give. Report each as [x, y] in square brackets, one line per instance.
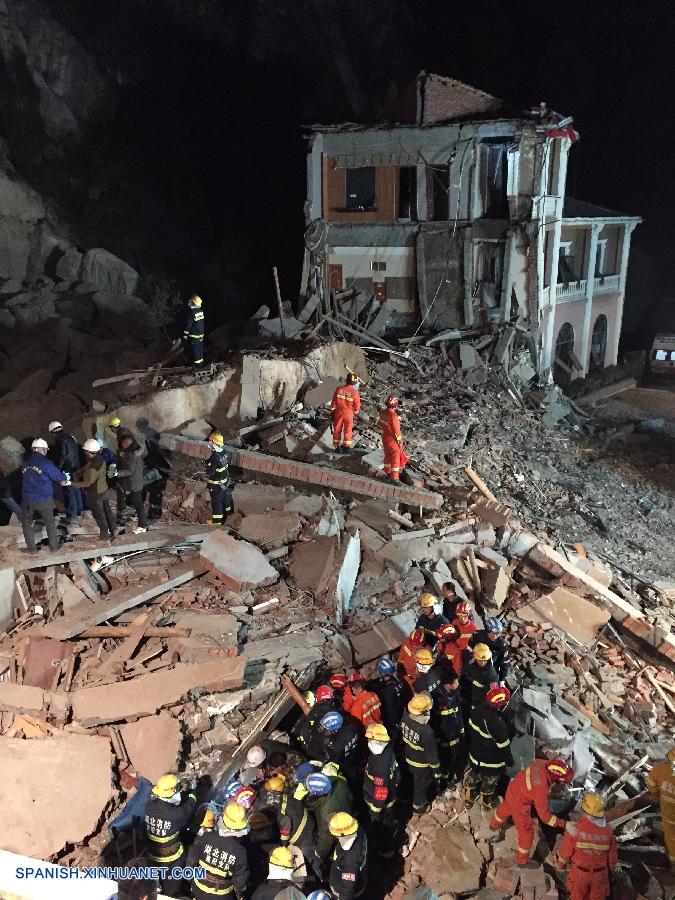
[332, 722]
[231, 789]
[386, 667]
[494, 625]
[317, 783]
[318, 895]
[303, 770]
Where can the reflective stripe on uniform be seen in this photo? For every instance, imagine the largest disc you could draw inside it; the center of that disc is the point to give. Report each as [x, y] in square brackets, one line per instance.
[216, 891]
[449, 712]
[301, 827]
[414, 746]
[197, 337]
[419, 765]
[528, 779]
[552, 820]
[583, 845]
[486, 765]
[345, 397]
[484, 734]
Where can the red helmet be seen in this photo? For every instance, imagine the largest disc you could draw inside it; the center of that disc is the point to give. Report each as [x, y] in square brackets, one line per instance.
[324, 693]
[355, 678]
[447, 632]
[463, 608]
[338, 681]
[558, 770]
[416, 637]
[498, 696]
[245, 797]
[391, 401]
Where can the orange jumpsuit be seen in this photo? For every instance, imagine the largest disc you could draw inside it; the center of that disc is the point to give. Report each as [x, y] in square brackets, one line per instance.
[527, 788]
[366, 708]
[661, 781]
[392, 440]
[592, 850]
[345, 404]
[465, 629]
[450, 656]
[406, 660]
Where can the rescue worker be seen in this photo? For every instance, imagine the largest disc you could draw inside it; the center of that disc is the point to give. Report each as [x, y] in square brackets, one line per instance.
[7, 498]
[346, 403]
[348, 873]
[489, 747]
[94, 479]
[223, 856]
[281, 870]
[168, 815]
[406, 655]
[450, 600]
[530, 787]
[338, 681]
[590, 847]
[208, 823]
[464, 624]
[420, 750]
[448, 724]
[343, 745]
[253, 772]
[429, 675]
[130, 478]
[65, 455]
[365, 707]
[307, 732]
[479, 676]
[392, 439]
[380, 786]
[218, 480]
[430, 619]
[38, 477]
[392, 694]
[326, 795]
[493, 637]
[120, 431]
[449, 655]
[661, 781]
[297, 827]
[193, 330]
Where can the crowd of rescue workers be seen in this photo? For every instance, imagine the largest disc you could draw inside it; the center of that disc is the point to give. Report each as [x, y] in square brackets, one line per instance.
[367, 756]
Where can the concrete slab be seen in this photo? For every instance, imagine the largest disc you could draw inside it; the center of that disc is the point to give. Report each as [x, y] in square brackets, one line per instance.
[7, 581]
[374, 514]
[251, 499]
[384, 637]
[238, 564]
[68, 593]
[284, 646]
[144, 695]
[321, 394]
[575, 616]
[249, 397]
[67, 778]
[451, 863]
[346, 582]
[306, 505]
[43, 658]
[311, 564]
[271, 530]
[153, 744]
[21, 698]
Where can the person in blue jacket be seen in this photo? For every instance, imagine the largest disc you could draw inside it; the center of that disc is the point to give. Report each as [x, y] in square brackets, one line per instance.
[38, 476]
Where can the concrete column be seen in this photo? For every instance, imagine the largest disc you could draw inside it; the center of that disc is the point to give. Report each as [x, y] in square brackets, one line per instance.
[547, 353]
[468, 277]
[625, 250]
[422, 205]
[588, 309]
[315, 179]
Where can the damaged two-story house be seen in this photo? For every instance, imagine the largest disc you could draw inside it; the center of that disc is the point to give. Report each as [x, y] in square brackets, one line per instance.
[454, 215]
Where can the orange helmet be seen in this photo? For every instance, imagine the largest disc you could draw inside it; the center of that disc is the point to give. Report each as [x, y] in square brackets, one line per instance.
[463, 608]
[391, 401]
[338, 681]
[446, 632]
[355, 678]
[558, 770]
[498, 696]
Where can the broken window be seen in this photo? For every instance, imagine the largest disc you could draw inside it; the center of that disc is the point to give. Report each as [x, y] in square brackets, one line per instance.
[378, 265]
[566, 265]
[407, 193]
[493, 179]
[599, 342]
[564, 353]
[438, 181]
[360, 192]
[488, 267]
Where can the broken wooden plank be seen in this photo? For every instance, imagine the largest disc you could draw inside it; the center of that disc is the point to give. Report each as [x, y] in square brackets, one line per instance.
[81, 618]
[480, 484]
[122, 631]
[126, 648]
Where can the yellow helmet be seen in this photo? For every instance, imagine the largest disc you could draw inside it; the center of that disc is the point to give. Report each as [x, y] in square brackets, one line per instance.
[670, 756]
[282, 856]
[594, 805]
[482, 652]
[209, 820]
[331, 769]
[114, 422]
[276, 783]
[427, 601]
[424, 656]
[310, 698]
[342, 824]
[420, 703]
[216, 438]
[166, 786]
[196, 300]
[234, 817]
[377, 732]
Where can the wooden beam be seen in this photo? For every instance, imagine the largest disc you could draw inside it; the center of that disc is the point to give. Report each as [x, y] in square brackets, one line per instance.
[480, 484]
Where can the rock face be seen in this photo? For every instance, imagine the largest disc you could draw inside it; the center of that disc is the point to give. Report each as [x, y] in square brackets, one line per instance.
[108, 273]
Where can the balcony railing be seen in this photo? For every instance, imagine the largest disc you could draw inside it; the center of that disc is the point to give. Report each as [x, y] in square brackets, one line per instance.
[576, 290]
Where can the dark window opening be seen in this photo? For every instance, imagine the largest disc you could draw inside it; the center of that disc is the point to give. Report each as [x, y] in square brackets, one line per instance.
[494, 176]
[599, 342]
[566, 268]
[360, 189]
[407, 193]
[378, 265]
[440, 188]
[564, 354]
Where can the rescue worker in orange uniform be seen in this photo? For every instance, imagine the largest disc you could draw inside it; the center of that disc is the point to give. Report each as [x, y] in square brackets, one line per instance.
[392, 439]
[661, 781]
[345, 404]
[590, 846]
[406, 655]
[464, 624]
[449, 655]
[365, 705]
[528, 788]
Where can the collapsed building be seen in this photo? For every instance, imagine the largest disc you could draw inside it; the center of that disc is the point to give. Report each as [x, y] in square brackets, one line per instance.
[455, 214]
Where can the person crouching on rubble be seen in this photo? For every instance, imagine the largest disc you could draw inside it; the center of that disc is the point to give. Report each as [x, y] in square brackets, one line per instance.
[94, 479]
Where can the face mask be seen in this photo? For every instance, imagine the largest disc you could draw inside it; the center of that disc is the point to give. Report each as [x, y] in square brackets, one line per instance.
[175, 800]
[437, 608]
[357, 385]
[423, 669]
[376, 747]
[346, 841]
[278, 873]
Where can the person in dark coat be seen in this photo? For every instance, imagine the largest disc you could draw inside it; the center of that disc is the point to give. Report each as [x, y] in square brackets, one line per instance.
[38, 477]
[130, 477]
[65, 454]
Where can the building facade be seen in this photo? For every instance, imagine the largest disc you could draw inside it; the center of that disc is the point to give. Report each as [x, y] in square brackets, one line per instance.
[455, 215]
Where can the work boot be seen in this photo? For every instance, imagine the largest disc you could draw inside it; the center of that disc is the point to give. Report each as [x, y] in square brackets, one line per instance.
[488, 801]
[530, 864]
[468, 797]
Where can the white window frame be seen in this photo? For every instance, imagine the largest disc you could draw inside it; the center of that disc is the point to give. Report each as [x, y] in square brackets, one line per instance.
[565, 247]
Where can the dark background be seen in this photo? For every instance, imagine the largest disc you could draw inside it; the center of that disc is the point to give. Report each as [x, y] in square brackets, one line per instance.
[200, 161]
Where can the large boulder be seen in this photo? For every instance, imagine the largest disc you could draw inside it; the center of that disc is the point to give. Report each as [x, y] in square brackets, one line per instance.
[108, 273]
[68, 266]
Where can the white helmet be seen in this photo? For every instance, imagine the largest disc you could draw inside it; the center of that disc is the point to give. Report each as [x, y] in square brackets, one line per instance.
[256, 756]
[54, 426]
[92, 446]
[39, 444]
